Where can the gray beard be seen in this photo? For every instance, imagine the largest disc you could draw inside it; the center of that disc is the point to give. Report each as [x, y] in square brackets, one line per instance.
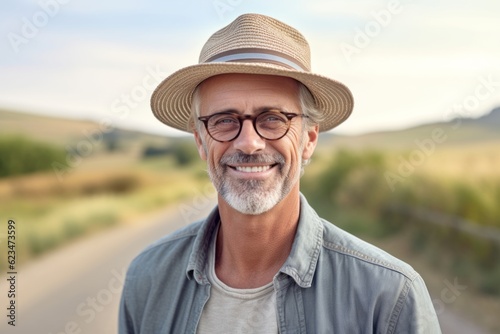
[253, 200]
[252, 197]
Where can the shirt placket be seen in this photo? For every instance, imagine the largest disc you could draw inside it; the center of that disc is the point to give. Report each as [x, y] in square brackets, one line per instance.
[289, 306]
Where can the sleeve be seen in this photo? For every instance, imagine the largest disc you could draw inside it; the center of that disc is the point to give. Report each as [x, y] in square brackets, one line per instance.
[416, 314]
[125, 319]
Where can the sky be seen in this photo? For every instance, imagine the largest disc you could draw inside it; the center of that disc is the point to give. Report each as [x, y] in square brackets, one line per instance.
[407, 62]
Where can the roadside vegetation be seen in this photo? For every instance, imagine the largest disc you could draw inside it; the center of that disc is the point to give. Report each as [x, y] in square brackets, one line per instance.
[105, 190]
[21, 155]
[446, 215]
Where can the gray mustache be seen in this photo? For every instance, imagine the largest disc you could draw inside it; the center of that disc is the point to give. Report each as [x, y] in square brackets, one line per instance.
[242, 158]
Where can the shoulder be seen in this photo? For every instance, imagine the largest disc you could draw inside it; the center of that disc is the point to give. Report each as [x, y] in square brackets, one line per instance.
[346, 255]
[367, 280]
[339, 244]
[157, 281]
[172, 250]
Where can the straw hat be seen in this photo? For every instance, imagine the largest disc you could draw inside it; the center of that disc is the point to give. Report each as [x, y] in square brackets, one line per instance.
[254, 44]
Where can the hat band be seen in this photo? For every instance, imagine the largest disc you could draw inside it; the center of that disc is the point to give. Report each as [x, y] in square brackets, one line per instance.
[256, 55]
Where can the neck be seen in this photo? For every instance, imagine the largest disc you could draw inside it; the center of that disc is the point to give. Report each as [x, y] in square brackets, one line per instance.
[252, 248]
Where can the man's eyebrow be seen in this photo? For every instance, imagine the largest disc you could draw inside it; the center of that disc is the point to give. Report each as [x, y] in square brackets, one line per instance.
[255, 111]
[268, 108]
[225, 111]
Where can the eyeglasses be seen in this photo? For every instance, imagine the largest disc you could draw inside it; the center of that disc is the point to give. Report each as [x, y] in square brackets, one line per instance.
[269, 124]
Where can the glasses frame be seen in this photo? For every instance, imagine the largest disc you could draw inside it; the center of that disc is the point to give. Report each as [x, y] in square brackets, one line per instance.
[241, 118]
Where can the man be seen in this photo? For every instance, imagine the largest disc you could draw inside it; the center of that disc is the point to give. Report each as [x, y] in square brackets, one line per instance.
[263, 261]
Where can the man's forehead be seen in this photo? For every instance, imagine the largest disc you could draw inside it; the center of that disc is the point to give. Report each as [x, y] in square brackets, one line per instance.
[248, 92]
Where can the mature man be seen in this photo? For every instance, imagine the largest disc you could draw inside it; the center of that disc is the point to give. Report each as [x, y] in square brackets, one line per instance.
[263, 261]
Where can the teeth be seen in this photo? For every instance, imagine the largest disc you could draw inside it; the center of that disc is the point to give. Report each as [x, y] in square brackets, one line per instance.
[253, 169]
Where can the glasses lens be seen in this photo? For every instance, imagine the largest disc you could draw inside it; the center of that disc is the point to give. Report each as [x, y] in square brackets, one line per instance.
[223, 126]
[271, 124]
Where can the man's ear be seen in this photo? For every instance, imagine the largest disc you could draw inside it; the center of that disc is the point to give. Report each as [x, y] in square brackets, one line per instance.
[199, 144]
[311, 141]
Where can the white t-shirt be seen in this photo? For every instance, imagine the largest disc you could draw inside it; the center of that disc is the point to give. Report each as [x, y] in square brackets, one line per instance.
[230, 310]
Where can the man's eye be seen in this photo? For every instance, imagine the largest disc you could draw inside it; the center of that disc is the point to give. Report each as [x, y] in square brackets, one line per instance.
[225, 121]
[272, 119]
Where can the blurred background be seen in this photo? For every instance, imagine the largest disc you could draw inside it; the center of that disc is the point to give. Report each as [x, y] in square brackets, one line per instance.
[91, 177]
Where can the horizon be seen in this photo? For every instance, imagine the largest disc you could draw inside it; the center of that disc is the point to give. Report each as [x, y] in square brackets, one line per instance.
[179, 134]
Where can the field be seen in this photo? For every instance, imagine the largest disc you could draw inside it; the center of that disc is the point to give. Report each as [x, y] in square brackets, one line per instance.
[50, 213]
[440, 213]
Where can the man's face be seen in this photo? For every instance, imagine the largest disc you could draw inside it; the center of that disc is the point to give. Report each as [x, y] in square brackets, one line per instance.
[250, 173]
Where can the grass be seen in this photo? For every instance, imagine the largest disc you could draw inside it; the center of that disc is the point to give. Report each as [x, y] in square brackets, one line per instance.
[353, 181]
[50, 213]
[350, 191]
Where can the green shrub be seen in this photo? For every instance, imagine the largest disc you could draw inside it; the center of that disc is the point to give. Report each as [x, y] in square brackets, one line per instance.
[21, 155]
[423, 204]
[38, 244]
[490, 282]
[183, 152]
[73, 229]
[351, 180]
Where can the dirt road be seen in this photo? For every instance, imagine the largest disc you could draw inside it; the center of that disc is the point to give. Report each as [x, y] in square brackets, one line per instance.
[77, 289]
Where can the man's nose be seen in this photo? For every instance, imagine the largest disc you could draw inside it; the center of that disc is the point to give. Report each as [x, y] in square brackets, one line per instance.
[249, 140]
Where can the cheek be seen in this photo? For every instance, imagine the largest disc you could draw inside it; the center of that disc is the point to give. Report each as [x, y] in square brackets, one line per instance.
[297, 139]
[201, 145]
[292, 148]
[303, 142]
[214, 152]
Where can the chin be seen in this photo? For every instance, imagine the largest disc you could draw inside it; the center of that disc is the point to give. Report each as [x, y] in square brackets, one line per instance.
[252, 203]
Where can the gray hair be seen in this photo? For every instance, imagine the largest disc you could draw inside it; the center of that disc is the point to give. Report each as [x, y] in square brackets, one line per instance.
[308, 107]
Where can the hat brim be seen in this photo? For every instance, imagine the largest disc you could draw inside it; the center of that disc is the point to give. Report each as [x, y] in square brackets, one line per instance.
[171, 100]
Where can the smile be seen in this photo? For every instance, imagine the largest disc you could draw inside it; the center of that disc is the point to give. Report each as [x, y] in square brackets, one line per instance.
[252, 169]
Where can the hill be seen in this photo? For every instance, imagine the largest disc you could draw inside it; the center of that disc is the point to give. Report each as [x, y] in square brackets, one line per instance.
[457, 132]
[61, 130]
[90, 145]
[50, 129]
[69, 132]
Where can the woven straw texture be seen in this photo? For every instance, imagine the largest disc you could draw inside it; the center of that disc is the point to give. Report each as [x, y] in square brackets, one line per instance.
[171, 101]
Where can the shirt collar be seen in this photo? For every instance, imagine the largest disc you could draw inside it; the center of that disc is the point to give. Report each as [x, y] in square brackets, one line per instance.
[198, 259]
[303, 258]
[300, 264]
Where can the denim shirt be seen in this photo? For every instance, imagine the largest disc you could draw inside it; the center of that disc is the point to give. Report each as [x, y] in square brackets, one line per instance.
[332, 282]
